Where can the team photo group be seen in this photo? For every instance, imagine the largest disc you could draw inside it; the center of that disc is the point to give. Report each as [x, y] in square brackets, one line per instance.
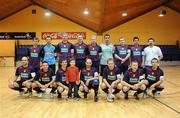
[78, 68]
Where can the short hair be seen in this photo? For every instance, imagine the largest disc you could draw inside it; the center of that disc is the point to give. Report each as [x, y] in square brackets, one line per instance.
[154, 59]
[45, 62]
[88, 59]
[36, 39]
[63, 60]
[72, 59]
[48, 37]
[151, 39]
[106, 35]
[110, 59]
[135, 38]
[134, 62]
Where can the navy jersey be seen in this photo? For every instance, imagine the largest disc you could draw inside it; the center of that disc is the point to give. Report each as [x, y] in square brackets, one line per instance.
[48, 53]
[93, 52]
[61, 76]
[110, 75]
[136, 54]
[122, 52]
[24, 73]
[64, 50]
[44, 77]
[34, 56]
[79, 51]
[132, 78]
[87, 74]
[153, 76]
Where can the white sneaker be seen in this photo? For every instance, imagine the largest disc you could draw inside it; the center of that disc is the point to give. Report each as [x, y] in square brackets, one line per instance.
[40, 95]
[30, 94]
[20, 93]
[110, 98]
[51, 95]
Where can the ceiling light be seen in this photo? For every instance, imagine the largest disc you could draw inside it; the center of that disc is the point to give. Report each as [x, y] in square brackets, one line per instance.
[162, 13]
[86, 11]
[47, 13]
[124, 14]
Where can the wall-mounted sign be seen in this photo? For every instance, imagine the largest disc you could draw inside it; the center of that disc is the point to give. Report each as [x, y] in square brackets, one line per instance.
[17, 35]
[59, 35]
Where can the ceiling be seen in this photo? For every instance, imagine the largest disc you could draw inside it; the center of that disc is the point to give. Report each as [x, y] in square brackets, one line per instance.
[104, 14]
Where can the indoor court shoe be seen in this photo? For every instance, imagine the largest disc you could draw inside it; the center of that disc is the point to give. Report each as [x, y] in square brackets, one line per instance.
[136, 96]
[155, 94]
[51, 95]
[40, 95]
[30, 94]
[145, 95]
[21, 93]
[95, 98]
[126, 96]
[59, 96]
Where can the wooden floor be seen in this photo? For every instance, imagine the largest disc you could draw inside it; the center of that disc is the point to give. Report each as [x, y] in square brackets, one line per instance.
[167, 106]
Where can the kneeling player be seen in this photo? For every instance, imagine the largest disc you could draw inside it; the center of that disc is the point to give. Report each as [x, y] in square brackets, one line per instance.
[89, 80]
[133, 81]
[44, 79]
[111, 80]
[61, 78]
[154, 77]
[25, 73]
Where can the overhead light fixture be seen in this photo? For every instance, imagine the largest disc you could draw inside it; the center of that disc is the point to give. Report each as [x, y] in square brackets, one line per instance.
[47, 13]
[162, 13]
[86, 11]
[124, 13]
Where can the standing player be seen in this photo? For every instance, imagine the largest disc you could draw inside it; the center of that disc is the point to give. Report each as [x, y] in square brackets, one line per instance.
[61, 78]
[94, 52]
[107, 52]
[44, 79]
[133, 80]
[89, 80]
[33, 54]
[137, 52]
[111, 80]
[48, 53]
[65, 50]
[79, 52]
[154, 78]
[72, 79]
[25, 72]
[152, 52]
[122, 54]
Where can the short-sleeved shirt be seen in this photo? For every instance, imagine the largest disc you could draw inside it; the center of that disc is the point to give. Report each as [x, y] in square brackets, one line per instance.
[80, 51]
[24, 73]
[136, 54]
[133, 77]
[44, 77]
[153, 76]
[93, 52]
[87, 74]
[122, 52]
[110, 75]
[48, 53]
[150, 53]
[64, 50]
[61, 76]
[107, 52]
[34, 56]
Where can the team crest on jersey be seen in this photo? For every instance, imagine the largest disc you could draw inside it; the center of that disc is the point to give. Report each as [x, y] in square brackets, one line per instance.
[111, 73]
[45, 75]
[79, 46]
[122, 48]
[93, 48]
[34, 50]
[24, 70]
[136, 49]
[134, 75]
[64, 45]
[88, 73]
[152, 73]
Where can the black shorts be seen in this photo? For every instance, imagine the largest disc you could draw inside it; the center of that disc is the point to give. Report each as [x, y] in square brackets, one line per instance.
[115, 92]
[20, 84]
